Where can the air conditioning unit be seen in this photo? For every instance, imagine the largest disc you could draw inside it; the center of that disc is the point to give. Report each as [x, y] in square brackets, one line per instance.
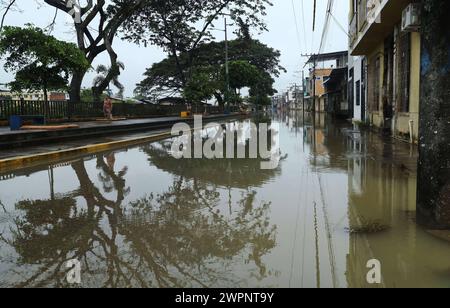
[411, 18]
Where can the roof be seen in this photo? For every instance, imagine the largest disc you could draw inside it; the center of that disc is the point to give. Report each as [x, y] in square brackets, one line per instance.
[172, 99]
[337, 74]
[334, 82]
[327, 56]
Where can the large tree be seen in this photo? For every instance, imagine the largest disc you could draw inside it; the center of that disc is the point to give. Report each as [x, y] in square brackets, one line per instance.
[163, 78]
[96, 25]
[40, 61]
[181, 26]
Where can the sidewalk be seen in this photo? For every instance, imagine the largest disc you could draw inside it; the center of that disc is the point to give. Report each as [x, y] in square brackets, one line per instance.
[94, 129]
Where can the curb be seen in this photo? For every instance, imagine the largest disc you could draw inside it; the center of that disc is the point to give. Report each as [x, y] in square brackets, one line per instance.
[25, 161]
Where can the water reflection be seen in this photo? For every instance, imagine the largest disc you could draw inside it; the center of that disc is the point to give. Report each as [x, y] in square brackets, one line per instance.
[177, 238]
[381, 208]
[137, 217]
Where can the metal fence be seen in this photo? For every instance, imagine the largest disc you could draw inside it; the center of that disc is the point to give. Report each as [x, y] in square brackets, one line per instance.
[70, 110]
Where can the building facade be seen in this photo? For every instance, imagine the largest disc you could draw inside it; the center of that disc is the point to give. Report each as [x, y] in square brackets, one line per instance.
[357, 87]
[385, 71]
[316, 89]
[326, 86]
[36, 96]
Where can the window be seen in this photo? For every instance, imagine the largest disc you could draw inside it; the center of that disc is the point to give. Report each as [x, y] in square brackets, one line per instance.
[377, 84]
[358, 93]
[404, 73]
[374, 83]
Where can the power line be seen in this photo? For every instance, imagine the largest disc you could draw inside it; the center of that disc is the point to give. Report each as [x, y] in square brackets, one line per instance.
[314, 15]
[296, 25]
[303, 22]
[326, 25]
[339, 24]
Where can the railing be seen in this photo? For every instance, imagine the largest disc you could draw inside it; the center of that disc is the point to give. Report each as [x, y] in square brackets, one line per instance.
[362, 14]
[353, 29]
[66, 110]
[53, 110]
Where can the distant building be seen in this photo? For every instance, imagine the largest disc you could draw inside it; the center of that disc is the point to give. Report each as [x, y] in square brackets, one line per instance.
[171, 101]
[322, 67]
[33, 95]
[58, 96]
[336, 93]
[5, 95]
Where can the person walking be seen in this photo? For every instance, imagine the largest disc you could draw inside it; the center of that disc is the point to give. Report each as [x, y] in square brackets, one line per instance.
[107, 108]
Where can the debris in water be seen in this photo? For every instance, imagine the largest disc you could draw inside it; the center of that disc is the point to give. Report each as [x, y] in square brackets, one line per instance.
[368, 226]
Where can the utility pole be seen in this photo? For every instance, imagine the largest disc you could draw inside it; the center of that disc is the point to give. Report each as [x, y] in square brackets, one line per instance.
[314, 90]
[303, 93]
[314, 56]
[227, 68]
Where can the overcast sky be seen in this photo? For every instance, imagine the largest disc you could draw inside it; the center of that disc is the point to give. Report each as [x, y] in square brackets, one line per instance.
[282, 35]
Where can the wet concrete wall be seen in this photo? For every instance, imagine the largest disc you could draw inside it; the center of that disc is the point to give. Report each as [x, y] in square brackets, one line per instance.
[433, 205]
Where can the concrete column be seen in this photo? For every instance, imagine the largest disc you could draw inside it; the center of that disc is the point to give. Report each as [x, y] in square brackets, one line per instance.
[433, 203]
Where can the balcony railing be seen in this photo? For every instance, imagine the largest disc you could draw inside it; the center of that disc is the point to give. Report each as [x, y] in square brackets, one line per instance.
[353, 29]
[362, 14]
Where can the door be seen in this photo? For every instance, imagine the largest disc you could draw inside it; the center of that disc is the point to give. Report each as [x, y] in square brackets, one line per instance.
[363, 89]
[388, 84]
[351, 93]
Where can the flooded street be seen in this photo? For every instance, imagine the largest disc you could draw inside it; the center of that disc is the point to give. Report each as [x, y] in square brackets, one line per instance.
[137, 217]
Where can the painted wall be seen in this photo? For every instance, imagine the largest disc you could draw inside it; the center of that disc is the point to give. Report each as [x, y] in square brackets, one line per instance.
[320, 75]
[376, 117]
[402, 127]
[355, 63]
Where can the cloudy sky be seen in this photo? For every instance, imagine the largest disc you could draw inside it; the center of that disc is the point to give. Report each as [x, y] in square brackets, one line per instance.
[282, 35]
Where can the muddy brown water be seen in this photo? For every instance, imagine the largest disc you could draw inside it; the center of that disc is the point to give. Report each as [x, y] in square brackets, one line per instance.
[138, 217]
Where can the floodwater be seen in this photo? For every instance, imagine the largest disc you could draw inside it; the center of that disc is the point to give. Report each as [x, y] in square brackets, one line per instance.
[137, 217]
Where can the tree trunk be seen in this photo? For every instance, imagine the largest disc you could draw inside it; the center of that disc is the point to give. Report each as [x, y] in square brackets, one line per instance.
[219, 99]
[97, 94]
[75, 87]
[114, 71]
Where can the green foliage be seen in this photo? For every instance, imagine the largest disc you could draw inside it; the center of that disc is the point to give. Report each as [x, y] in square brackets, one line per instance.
[249, 60]
[201, 86]
[88, 97]
[185, 30]
[263, 88]
[260, 100]
[182, 25]
[40, 61]
[242, 74]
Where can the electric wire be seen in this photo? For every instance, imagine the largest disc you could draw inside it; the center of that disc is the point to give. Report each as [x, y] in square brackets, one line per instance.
[296, 25]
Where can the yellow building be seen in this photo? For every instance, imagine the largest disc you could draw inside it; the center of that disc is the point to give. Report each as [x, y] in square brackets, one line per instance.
[321, 76]
[392, 55]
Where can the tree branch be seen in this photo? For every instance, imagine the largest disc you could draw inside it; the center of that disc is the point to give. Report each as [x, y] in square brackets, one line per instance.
[8, 8]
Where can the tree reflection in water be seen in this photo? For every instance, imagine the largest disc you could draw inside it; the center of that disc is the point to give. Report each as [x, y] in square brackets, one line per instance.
[179, 238]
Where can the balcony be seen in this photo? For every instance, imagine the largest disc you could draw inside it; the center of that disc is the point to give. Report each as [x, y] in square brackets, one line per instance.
[362, 14]
[353, 29]
[385, 15]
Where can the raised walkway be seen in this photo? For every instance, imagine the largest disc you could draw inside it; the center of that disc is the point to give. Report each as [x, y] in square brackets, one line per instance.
[88, 130]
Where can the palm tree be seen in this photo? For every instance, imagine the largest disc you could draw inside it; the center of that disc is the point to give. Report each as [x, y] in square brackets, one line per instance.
[103, 71]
